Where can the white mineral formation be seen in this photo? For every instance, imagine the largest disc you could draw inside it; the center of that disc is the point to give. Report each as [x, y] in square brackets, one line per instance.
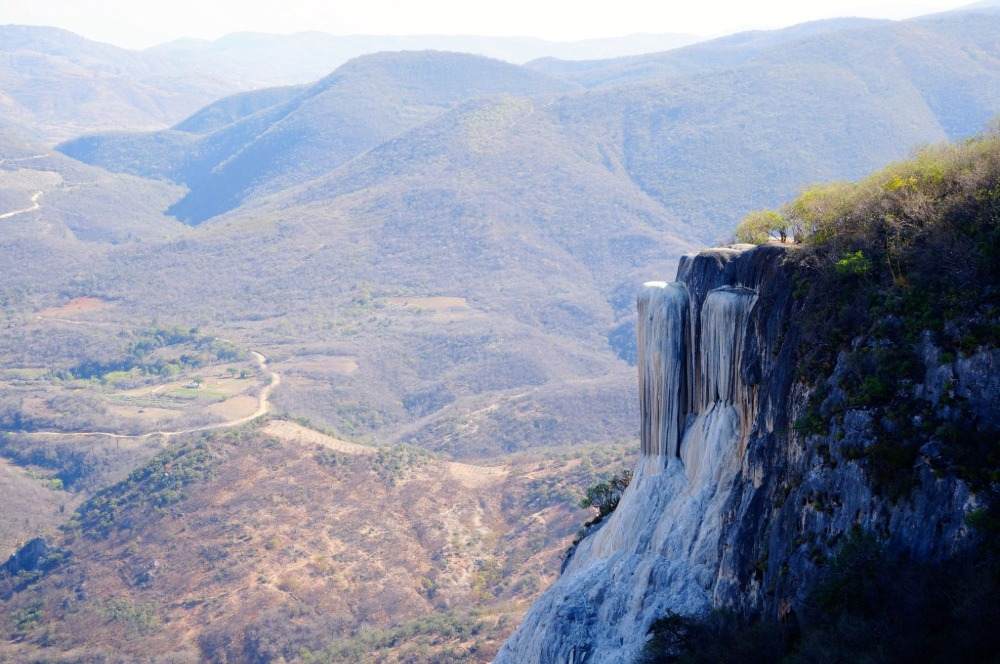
[659, 551]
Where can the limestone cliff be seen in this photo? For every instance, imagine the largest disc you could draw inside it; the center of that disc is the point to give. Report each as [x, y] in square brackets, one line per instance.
[730, 505]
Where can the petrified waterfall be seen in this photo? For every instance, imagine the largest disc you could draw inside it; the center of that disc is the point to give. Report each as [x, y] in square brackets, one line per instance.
[659, 551]
[730, 506]
[662, 372]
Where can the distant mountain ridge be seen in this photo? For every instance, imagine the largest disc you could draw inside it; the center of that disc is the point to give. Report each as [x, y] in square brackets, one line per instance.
[311, 131]
[57, 84]
[708, 131]
[432, 249]
[728, 51]
[261, 59]
[533, 201]
[540, 211]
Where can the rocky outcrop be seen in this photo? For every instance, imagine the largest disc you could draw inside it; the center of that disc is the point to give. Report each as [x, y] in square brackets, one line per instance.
[730, 506]
[27, 564]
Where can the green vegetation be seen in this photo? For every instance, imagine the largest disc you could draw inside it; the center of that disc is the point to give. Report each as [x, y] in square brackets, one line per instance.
[909, 253]
[853, 264]
[25, 619]
[763, 225]
[76, 466]
[153, 487]
[394, 463]
[33, 561]
[606, 495]
[869, 605]
[448, 633]
[139, 360]
[888, 267]
[390, 464]
[136, 619]
[561, 232]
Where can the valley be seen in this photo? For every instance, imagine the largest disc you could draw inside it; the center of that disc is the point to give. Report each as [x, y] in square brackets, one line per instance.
[315, 363]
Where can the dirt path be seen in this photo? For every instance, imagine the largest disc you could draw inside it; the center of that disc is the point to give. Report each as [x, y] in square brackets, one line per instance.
[34, 206]
[263, 406]
[294, 432]
[468, 475]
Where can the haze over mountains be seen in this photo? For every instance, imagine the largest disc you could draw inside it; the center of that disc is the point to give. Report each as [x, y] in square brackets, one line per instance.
[267, 59]
[685, 113]
[430, 173]
[55, 84]
[287, 136]
[431, 248]
[416, 174]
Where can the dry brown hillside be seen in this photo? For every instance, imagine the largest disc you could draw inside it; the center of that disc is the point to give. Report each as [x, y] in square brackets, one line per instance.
[278, 541]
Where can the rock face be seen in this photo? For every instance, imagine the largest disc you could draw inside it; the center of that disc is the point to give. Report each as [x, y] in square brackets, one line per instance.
[729, 506]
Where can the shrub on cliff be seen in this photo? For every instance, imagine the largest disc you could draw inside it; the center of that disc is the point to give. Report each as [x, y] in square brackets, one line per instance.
[907, 254]
[763, 225]
[606, 495]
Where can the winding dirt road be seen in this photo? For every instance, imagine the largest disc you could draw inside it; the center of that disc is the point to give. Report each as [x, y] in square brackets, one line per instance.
[34, 206]
[35, 197]
[263, 406]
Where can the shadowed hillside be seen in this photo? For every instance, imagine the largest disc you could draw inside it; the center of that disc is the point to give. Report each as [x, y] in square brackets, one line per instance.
[709, 131]
[725, 140]
[362, 104]
[379, 193]
[58, 217]
[402, 298]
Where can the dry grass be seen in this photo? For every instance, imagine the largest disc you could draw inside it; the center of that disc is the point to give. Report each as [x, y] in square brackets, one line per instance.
[477, 477]
[75, 307]
[344, 365]
[235, 407]
[300, 539]
[440, 309]
[296, 433]
[31, 506]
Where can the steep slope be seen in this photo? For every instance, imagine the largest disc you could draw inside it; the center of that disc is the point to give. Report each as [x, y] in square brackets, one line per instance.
[72, 199]
[818, 448]
[236, 107]
[359, 106]
[565, 202]
[60, 216]
[60, 85]
[710, 132]
[827, 104]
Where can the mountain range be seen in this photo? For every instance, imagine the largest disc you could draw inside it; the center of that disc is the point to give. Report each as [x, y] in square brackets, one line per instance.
[433, 249]
[537, 196]
[55, 85]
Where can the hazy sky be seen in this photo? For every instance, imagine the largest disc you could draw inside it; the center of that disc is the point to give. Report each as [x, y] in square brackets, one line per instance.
[139, 23]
